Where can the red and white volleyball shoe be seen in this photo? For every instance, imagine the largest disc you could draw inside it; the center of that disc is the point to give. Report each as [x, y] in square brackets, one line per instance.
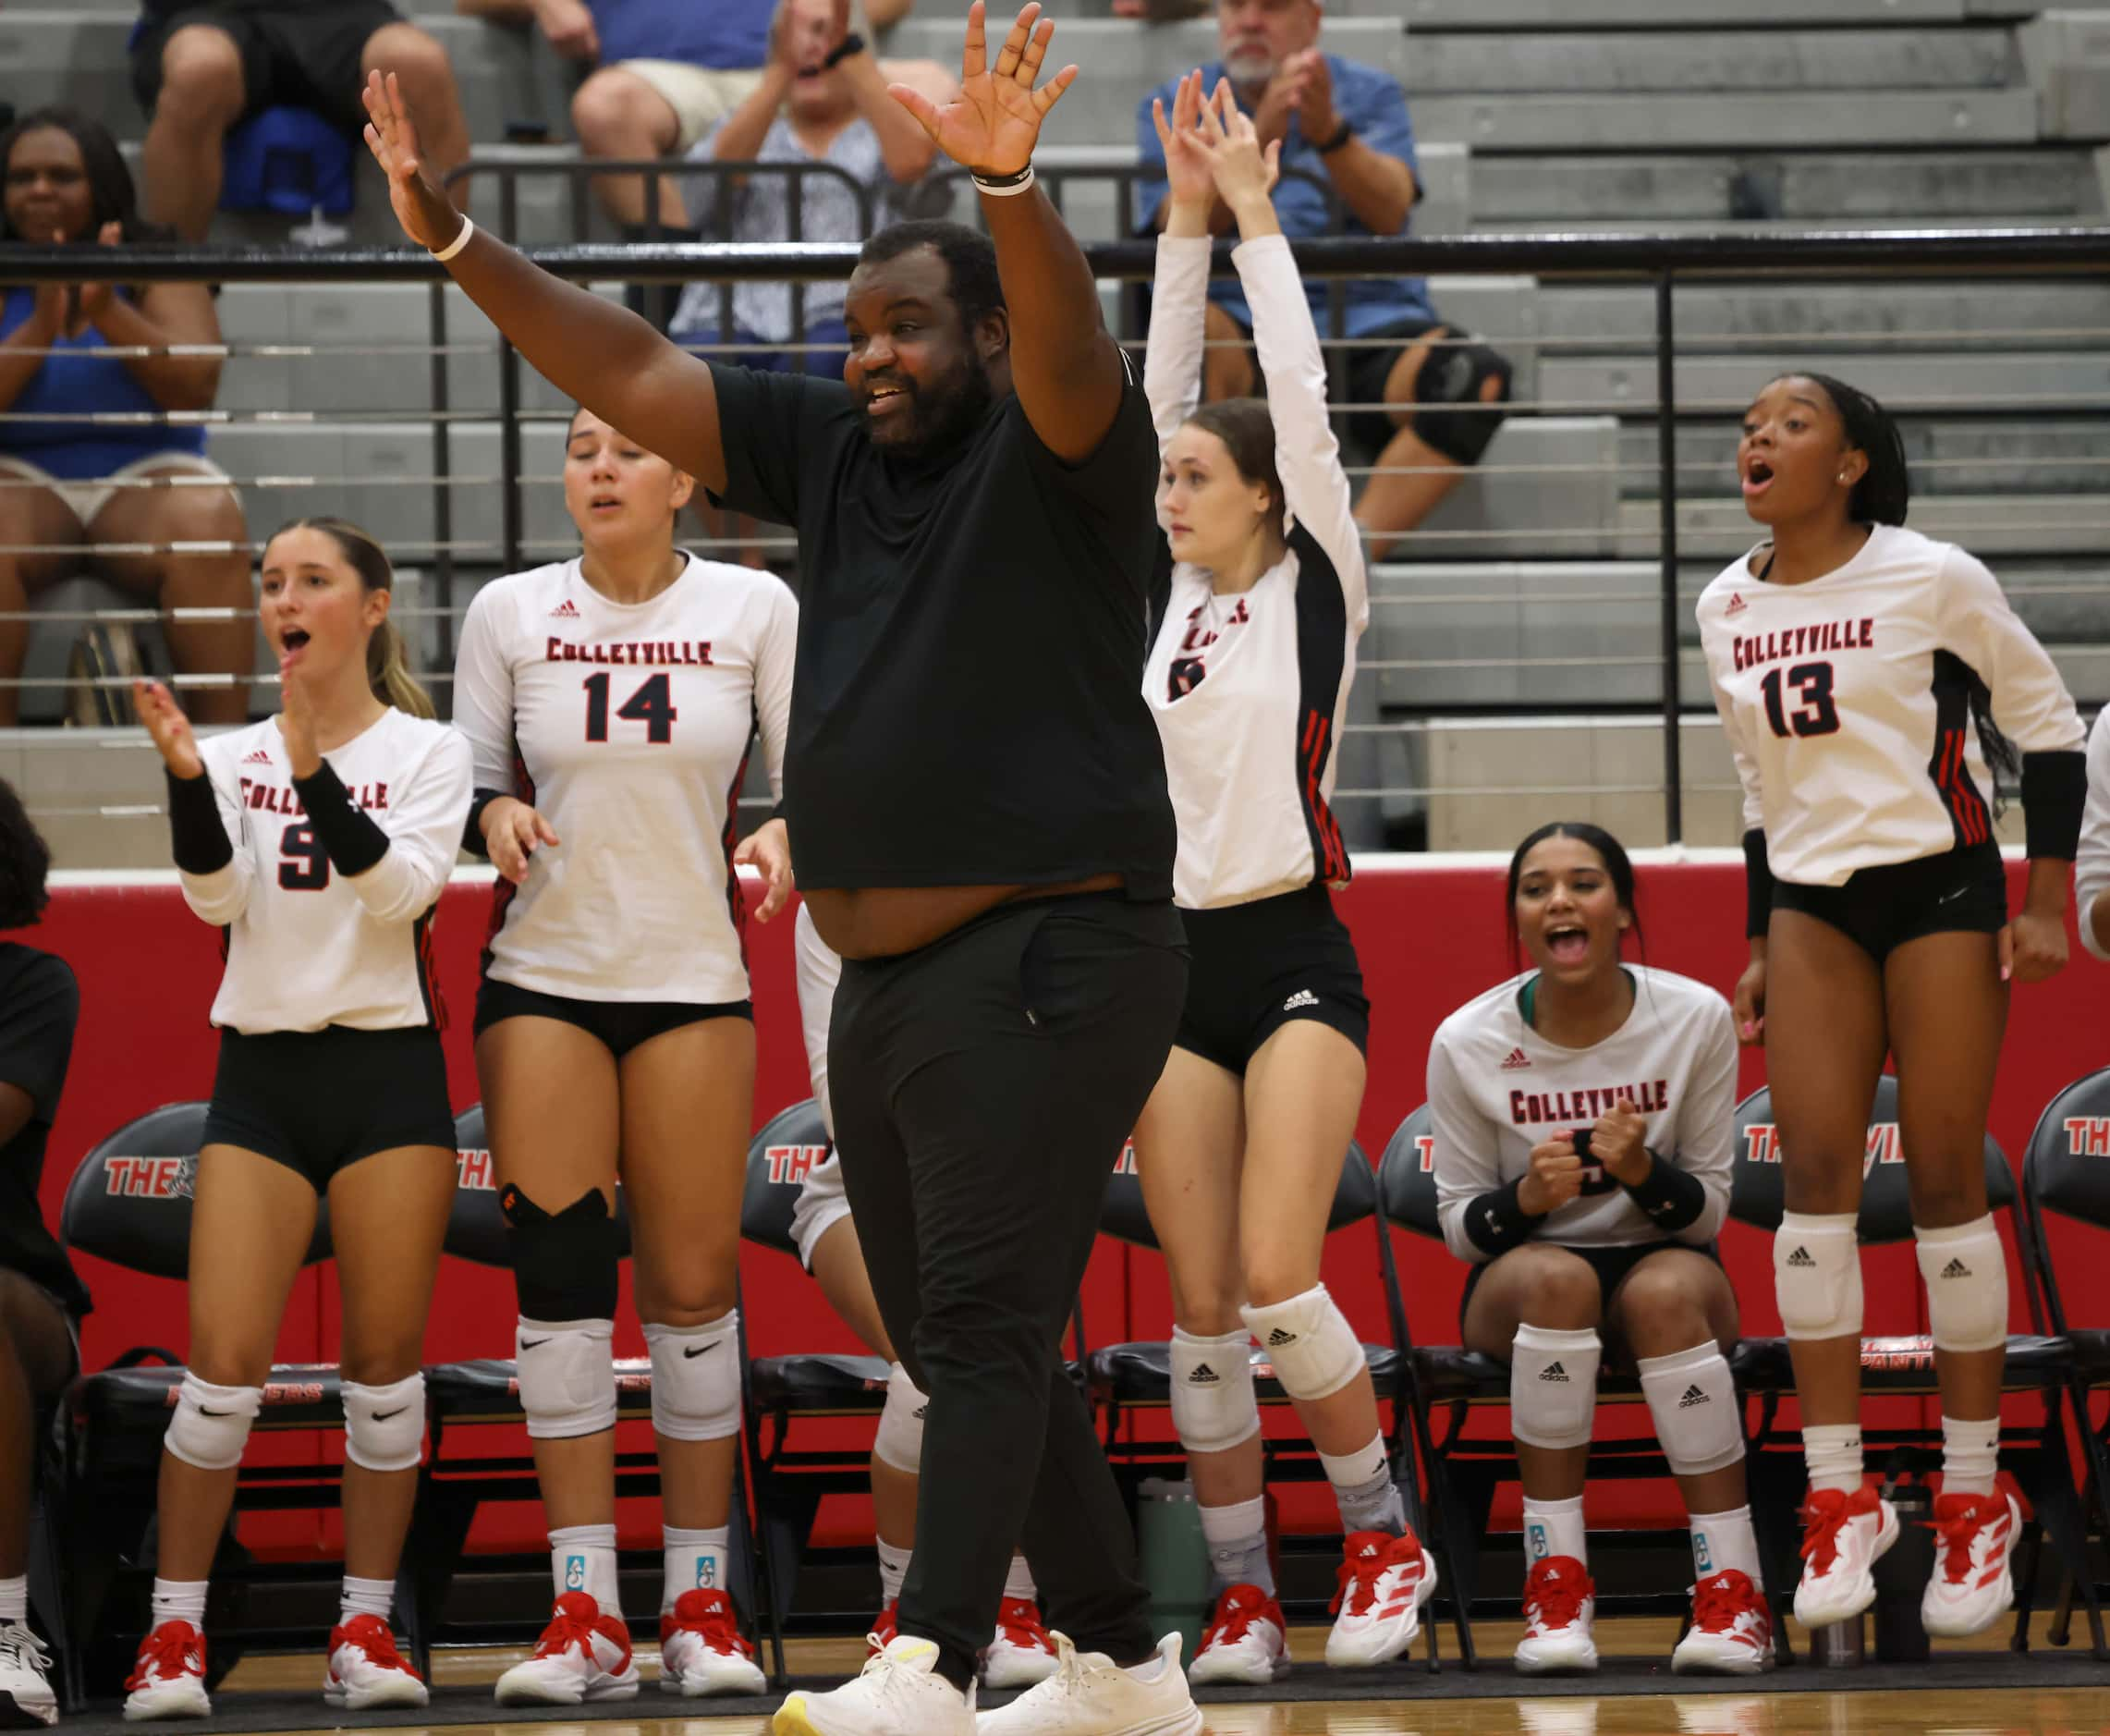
[1560, 1603]
[885, 1626]
[1732, 1629]
[1843, 1537]
[169, 1676]
[367, 1670]
[1023, 1653]
[1246, 1641]
[1383, 1581]
[702, 1651]
[1974, 1585]
[583, 1655]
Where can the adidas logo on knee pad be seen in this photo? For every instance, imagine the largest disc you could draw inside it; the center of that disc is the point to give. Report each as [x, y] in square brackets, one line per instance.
[1278, 1337]
[1203, 1375]
[1552, 1371]
[1800, 1257]
[1692, 1396]
[1956, 1268]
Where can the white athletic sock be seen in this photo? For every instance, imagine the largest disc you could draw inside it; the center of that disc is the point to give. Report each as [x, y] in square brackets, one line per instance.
[1019, 1581]
[366, 1597]
[15, 1598]
[582, 1559]
[1365, 1491]
[1554, 1528]
[180, 1600]
[1237, 1537]
[893, 1570]
[1970, 1455]
[1832, 1452]
[696, 1560]
[1725, 1541]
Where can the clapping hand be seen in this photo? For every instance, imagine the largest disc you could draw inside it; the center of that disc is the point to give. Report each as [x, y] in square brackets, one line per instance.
[992, 124]
[1555, 1177]
[169, 727]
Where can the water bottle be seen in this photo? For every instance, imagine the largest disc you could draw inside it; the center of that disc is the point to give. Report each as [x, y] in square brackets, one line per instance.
[1901, 1575]
[1175, 1560]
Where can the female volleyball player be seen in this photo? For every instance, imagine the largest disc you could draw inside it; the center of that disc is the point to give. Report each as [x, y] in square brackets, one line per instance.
[320, 840]
[614, 697]
[1583, 1117]
[1240, 1145]
[1851, 659]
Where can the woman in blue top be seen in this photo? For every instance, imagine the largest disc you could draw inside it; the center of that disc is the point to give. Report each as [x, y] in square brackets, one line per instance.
[70, 482]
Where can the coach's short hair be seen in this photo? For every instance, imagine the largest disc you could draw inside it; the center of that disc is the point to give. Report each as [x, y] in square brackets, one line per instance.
[970, 257]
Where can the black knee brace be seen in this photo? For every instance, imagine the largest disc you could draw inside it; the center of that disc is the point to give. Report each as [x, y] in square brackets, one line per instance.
[563, 1267]
[1449, 413]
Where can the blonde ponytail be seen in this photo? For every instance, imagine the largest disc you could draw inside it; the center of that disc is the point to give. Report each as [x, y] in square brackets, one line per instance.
[388, 673]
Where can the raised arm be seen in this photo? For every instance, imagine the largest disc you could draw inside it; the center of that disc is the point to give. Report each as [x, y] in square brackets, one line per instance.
[603, 356]
[1065, 367]
[1172, 362]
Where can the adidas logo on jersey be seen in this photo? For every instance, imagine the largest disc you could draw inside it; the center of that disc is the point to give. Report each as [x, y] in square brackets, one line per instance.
[1303, 997]
[1554, 1370]
[1517, 1059]
[1278, 1337]
[1800, 1257]
[1692, 1396]
[1735, 604]
[566, 611]
[1203, 1375]
[257, 756]
[1956, 1268]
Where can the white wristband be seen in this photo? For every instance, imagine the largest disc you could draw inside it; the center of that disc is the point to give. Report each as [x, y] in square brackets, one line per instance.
[1009, 187]
[455, 246]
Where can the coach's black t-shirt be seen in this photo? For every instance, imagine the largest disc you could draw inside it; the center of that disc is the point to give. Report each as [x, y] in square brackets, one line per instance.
[968, 703]
[39, 1005]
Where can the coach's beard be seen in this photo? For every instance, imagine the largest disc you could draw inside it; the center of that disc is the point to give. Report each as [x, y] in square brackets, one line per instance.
[937, 417]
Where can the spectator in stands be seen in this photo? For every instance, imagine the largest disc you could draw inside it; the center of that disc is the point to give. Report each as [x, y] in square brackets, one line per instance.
[1345, 136]
[67, 484]
[40, 1296]
[201, 66]
[822, 99]
[666, 72]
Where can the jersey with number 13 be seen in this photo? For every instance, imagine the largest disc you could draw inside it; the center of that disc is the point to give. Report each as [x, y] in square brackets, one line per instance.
[1847, 703]
[628, 727]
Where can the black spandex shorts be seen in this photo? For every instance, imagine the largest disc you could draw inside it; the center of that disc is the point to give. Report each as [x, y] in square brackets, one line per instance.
[300, 54]
[1253, 968]
[1880, 908]
[620, 1024]
[318, 1101]
[1610, 1264]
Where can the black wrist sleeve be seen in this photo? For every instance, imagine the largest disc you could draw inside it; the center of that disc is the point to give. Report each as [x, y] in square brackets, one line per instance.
[472, 829]
[1496, 1223]
[1758, 885]
[352, 838]
[1671, 1197]
[197, 840]
[2055, 791]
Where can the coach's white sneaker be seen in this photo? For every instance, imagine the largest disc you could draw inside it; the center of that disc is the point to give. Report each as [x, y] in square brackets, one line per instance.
[367, 1670]
[1022, 1655]
[26, 1697]
[169, 1676]
[702, 1651]
[1732, 1630]
[900, 1692]
[1246, 1641]
[1090, 1695]
[1843, 1537]
[1382, 1582]
[1560, 1601]
[1972, 1587]
[582, 1656]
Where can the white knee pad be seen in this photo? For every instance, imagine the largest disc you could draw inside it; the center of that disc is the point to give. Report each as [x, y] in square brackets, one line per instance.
[900, 1440]
[1314, 1350]
[1966, 1284]
[211, 1423]
[696, 1378]
[1816, 1275]
[1697, 1419]
[1213, 1404]
[566, 1377]
[1553, 1385]
[384, 1426]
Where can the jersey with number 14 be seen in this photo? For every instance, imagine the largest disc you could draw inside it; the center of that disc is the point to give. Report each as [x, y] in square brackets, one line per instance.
[628, 727]
[1847, 703]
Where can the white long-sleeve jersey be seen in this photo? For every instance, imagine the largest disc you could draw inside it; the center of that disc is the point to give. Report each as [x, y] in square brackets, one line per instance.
[820, 970]
[1496, 1089]
[628, 727]
[1250, 690]
[306, 946]
[2092, 871]
[1847, 703]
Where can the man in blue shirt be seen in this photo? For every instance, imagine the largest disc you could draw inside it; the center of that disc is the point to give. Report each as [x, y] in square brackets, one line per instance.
[1348, 147]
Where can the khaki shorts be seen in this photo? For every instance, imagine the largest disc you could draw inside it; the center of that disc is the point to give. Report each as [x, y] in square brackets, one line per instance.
[86, 500]
[700, 96]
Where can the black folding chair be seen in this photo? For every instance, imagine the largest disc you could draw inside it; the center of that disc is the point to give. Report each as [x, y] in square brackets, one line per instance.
[129, 1203]
[2068, 1171]
[1903, 1366]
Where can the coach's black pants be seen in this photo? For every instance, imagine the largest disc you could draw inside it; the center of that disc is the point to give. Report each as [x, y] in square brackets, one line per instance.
[984, 1087]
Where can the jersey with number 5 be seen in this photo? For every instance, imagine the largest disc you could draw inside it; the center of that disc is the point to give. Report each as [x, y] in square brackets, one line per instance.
[628, 727]
[1847, 703]
[303, 948]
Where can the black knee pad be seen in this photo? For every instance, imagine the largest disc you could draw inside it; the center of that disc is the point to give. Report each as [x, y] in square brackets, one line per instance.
[563, 1267]
[1448, 414]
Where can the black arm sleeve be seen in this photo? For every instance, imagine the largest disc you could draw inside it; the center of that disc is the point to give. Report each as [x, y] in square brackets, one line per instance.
[1671, 1197]
[198, 840]
[2054, 792]
[472, 827]
[1758, 884]
[1496, 1223]
[352, 840]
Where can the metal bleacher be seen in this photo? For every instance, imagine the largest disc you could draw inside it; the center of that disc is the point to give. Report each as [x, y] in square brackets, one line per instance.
[1515, 647]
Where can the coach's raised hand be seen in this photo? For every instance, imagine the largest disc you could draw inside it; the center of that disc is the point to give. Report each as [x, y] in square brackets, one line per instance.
[422, 209]
[992, 124]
